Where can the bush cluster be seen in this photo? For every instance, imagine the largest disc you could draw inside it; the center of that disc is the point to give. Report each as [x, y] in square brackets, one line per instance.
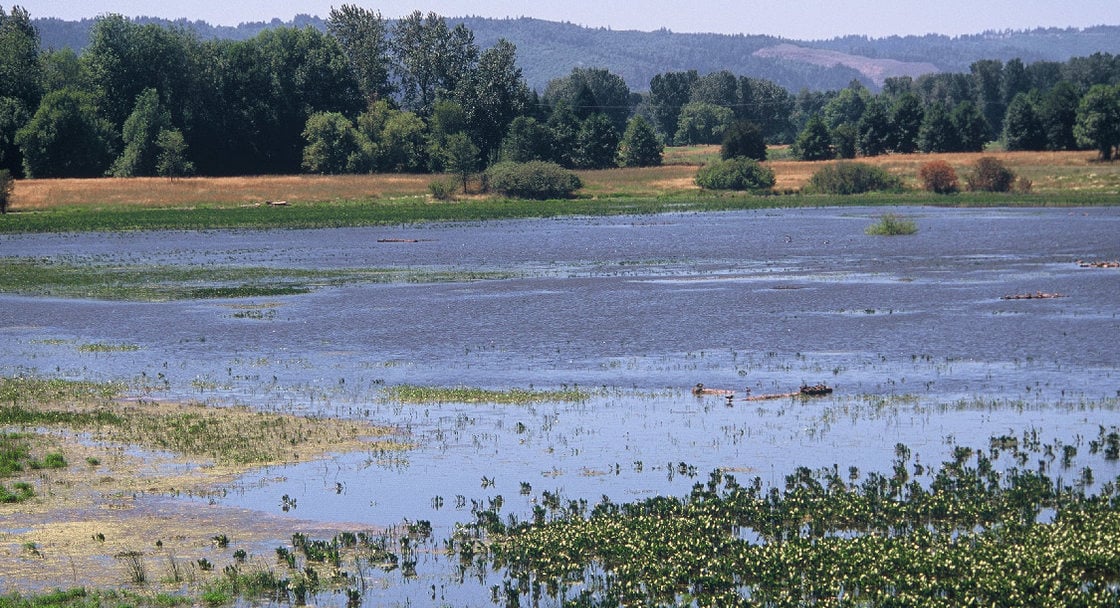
[532, 180]
[990, 175]
[739, 173]
[939, 177]
[852, 178]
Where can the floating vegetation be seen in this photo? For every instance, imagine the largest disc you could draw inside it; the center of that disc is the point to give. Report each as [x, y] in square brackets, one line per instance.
[408, 393]
[974, 533]
[107, 348]
[158, 283]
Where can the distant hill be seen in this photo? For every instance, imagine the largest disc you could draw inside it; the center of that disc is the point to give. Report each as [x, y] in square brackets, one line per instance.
[548, 49]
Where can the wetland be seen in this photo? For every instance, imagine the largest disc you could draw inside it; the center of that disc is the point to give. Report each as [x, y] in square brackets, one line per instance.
[500, 412]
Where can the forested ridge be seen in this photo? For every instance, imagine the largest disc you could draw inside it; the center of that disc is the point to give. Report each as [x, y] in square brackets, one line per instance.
[428, 94]
[549, 49]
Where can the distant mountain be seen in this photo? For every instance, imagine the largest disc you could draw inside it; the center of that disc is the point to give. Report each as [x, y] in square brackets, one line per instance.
[548, 49]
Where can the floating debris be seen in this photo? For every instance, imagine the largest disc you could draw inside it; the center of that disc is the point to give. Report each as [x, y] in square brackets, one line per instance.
[1099, 264]
[1038, 295]
[700, 390]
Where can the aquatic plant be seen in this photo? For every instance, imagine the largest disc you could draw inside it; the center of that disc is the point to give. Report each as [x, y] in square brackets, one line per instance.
[890, 224]
[972, 532]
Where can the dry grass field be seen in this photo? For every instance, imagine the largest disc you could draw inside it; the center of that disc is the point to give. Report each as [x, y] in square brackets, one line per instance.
[1048, 171]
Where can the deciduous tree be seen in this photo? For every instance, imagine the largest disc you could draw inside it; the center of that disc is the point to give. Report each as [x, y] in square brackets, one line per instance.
[1098, 120]
[640, 146]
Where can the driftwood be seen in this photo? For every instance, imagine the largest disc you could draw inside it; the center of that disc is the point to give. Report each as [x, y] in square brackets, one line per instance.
[1038, 295]
[276, 203]
[398, 240]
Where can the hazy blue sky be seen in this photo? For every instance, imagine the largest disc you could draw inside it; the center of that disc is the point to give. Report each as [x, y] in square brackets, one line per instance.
[801, 19]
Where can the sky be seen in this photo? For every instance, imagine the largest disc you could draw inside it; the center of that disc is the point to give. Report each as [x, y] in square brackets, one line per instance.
[794, 19]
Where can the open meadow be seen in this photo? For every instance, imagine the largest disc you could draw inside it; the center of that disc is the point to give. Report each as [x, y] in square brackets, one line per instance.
[1061, 174]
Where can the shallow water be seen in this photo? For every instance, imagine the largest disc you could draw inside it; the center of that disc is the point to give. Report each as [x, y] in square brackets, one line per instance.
[910, 331]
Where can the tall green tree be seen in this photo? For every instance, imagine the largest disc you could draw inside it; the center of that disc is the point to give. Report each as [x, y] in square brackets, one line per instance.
[1058, 113]
[141, 130]
[528, 140]
[1022, 127]
[972, 128]
[639, 146]
[873, 132]
[125, 58]
[66, 138]
[364, 37]
[668, 93]
[20, 70]
[596, 143]
[938, 133]
[493, 95]
[906, 123]
[743, 138]
[988, 75]
[1098, 120]
[13, 116]
[717, 88]
[702, 123]
[430, 59]
[769, 106]
[588, 91]
[815, 141]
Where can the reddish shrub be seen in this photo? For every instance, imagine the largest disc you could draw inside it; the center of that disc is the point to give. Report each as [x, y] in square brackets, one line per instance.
[938, 176]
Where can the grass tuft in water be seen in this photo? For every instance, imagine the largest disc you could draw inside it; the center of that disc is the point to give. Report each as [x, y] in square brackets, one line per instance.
[409, 393]
[890, 224]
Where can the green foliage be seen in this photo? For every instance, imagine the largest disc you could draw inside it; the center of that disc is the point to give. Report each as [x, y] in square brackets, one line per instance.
[738, 173]
[13, 117]
[745, 139]
[460, 156]
[1022, 126]
[814, 142]
[589, 91]
[989, 174]
[852, 178]
[596, 143]
[172, 161]
[844, 140]
[939, 177]
[973, 130]
[532, 180]
[6, 185]
[141, 132]
[906, 119]
[873, 132]
[702, 123]
[890, 224]
[364, 37]
[431, 57]
[442, 189]
[66, 138]
[938, 133]
[640, 146]
[335, 146]
[492, 96]
[1098, 120]
[668, 93]
[528, 140]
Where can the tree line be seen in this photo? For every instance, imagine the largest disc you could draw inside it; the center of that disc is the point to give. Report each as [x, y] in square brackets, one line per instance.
[417, 95]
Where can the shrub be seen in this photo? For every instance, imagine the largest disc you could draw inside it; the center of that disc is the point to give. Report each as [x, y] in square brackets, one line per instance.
[739, 173]
[890, 224]
[990, 175]
[442, 189]
[533, 180]
[852, 178]
[938, 176]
